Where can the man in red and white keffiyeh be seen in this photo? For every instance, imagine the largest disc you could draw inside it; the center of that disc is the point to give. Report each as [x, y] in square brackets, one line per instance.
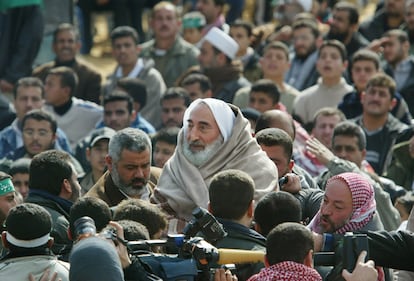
[348, 205]
[289, 252]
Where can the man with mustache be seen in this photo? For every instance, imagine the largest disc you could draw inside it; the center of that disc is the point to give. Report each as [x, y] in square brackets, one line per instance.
[66, 45]
[171, 53]
[380, 127]
[129, 174]
[173, 104]
[348, 205]
[215, 137]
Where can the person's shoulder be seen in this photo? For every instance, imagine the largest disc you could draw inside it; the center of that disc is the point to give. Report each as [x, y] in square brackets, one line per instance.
[43, 68]
[85, 66]
[88, 105]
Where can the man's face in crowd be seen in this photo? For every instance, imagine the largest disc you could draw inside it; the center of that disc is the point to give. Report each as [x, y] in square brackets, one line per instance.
[125, 51]
[202, 136]
[304, 42]
[261, 101]
[27, 98]
[393, 50]
[7, 201]
[277, 154]
[55, 94]
[66, 46]
[37, 136]
[165, 23]
[194, 91]
[340, 26]
[274, 63]
[162, 152]
[336, 209]
[75, 186]
[324, 127]
[346, 147]
[362, 71]
[21, 183]
[208, 9]
[96, 155]
[172, 112]
[377, 101]
[330, 64]
[117, 116]
[239, 34]
[207, 57]
[395, 7]
[131, 172]
[409, 17]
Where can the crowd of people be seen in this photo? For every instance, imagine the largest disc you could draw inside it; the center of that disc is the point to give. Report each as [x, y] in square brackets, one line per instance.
[291, 131]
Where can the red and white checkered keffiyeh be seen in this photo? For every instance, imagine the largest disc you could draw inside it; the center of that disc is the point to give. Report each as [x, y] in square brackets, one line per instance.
[287, 271]
[363, 202]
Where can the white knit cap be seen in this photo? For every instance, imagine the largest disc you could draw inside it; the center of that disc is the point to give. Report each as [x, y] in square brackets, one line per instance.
[222, 41]
[222, 113]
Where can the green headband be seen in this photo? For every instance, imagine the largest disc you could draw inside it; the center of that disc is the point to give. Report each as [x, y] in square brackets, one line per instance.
[6, 186]
[193, 22]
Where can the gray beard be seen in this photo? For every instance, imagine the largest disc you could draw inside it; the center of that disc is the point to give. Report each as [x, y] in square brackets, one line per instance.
[201, 157]
[127, 189]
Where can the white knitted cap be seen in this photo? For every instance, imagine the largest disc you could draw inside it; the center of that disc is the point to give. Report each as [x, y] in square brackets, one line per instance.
[222, 41]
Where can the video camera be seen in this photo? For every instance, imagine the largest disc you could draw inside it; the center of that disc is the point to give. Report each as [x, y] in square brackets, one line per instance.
[186, 246]
[352, 246]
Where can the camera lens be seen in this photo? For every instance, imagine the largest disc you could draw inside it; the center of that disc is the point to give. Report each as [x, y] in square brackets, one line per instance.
[84, 227]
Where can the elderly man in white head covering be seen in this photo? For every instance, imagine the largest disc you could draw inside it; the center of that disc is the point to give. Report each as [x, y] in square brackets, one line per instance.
[215, 137]
[217, 60]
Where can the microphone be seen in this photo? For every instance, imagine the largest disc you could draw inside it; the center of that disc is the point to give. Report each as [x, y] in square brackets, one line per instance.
[226, 256]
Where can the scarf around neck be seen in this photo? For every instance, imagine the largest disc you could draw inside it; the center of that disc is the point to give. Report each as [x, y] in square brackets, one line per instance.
[287, 271]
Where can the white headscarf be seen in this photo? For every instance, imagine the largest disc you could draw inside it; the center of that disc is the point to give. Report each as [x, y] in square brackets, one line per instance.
[221, 111]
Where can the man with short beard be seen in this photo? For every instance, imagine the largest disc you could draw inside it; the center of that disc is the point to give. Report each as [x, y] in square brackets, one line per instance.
[129, 174]
[344, 28]
[215, 137]
[306, 41]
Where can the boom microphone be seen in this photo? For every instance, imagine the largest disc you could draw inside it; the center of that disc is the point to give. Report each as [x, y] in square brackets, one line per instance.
[227, 256]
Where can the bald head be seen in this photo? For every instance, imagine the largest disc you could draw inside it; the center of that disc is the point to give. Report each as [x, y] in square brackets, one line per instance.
[276, 119]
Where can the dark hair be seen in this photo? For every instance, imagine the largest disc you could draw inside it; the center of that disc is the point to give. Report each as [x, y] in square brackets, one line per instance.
[4, 175]
[26, 82]
[276, 137]
[275, 208]
[334, 44]
[68, 77]
[28, 221]
[124, 31]
[366, 55]
[93, 207]
[119, 95]
[353, 14]
[176, 93]
[51, 167]
[203, 80]
[168, 135]
[136, 88]
[40, 115]
[134, 231]
[65, 27]
[231, 192]
[142, 212]
[277, 45]
[401, 35]
[20, 166]
[382, 80]
[305, 23]
[350, 129]
[288, 241]
[267, 87]
[248, 26]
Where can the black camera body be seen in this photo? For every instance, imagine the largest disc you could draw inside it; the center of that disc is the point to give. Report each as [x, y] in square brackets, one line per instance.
[352, 246]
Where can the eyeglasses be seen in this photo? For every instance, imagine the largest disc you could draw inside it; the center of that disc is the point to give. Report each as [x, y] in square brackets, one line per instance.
[41, 133]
